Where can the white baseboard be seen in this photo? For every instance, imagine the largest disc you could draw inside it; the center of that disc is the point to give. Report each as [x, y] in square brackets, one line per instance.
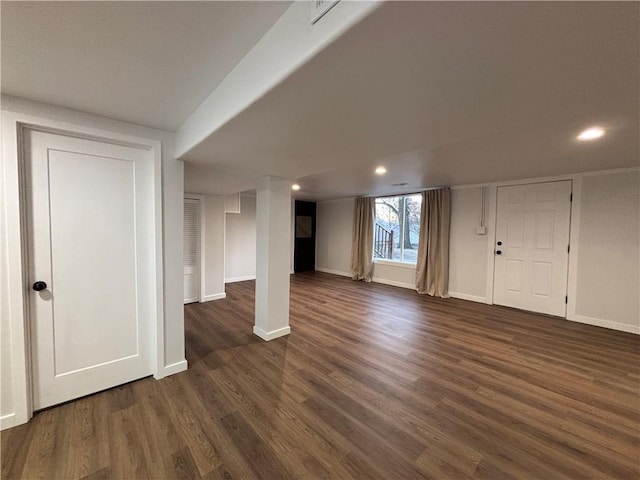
[466, 296]
[598, 322]
[215, 296]
[333, 272]
[172, 369]
[281, 332]
[409, 286]
[8, 421]
[240, 279]
[393, 283]
[383, 281]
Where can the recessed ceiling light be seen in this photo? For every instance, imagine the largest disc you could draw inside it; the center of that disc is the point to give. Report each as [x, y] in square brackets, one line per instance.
[591, 133]
[380, 170]
[295, 187]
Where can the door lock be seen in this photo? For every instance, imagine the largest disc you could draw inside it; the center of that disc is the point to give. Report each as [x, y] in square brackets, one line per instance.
[39, 286]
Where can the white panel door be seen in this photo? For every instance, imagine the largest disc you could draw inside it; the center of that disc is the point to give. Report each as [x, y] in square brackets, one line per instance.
[532, 247]
[91, 241]
[191, 250]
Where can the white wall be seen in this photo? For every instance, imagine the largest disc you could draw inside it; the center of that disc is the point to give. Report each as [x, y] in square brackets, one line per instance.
[608, 286]
[172, 201]
[229, 252]
[605, 214]
[240, 241]
[240, 255]
[467, 251]
[334, 230]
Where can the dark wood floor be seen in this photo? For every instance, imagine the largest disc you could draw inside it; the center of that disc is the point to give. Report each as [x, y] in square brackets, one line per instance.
[373, 382]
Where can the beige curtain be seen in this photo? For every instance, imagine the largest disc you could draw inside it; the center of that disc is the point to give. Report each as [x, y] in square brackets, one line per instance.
[432, 270]
[362, 246]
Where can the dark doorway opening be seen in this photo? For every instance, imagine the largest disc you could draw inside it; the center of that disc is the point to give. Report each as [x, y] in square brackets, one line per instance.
[304, 257]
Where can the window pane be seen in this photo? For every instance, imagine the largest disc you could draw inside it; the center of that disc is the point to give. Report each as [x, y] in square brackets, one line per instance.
[397, 229]
[413, 206]
[386, 231]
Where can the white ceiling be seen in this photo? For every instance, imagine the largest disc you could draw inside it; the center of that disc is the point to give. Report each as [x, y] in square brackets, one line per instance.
[442, 93]
[150, 63]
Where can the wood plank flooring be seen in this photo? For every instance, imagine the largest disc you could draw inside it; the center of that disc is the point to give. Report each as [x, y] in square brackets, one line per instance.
[373, 382]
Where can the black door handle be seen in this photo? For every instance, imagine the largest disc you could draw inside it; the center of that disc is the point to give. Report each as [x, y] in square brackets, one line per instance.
[498, 252]
[38, 286]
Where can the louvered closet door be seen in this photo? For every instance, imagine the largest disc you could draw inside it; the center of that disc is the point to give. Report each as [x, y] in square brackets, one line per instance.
[191, 251]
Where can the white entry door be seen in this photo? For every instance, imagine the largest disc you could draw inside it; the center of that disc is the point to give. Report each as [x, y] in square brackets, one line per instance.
[90, 216]
[191, 250]
[532, 247]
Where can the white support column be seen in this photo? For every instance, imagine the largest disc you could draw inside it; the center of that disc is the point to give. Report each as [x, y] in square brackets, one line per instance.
[273, 248]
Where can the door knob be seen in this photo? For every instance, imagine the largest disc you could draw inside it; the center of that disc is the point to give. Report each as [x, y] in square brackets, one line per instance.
[499, 243]
[498, 252]
[38, 286]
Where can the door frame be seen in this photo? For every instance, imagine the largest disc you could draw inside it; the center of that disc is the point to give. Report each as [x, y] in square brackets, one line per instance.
[572, 234]
[574, 229]
[14, 241]
[201, 202]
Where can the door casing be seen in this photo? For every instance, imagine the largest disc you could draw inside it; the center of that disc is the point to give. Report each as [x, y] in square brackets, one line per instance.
[16, 238]
[574, 230]
[562, 266]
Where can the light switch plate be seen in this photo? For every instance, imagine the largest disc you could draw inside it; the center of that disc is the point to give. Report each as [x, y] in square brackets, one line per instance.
[481, 230]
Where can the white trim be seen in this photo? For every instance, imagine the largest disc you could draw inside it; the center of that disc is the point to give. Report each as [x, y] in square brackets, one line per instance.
[160, 345]
[567, 176]
[240, 279]
[611, 171]
[202, 205]
[215, 296]
[8, 421]
[392, 263]
[493, 206]
[555, 178]
[13, 124]
[464, 187]
[224, 247]
[292, 239]
[466, 296]
[174, 368]
[227, 210]
[574, 242]
[491, 222]
[333, 272]
[382, 281]
[623, 327]
[393, 283]
[272, 335]
[333, 200]
[17, 304]
[530, 181]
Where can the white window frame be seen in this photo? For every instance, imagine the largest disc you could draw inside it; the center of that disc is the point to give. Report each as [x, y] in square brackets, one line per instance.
[386, 261]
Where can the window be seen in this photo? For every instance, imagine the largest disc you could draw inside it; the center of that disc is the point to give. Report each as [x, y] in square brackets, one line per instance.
[397, 229]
